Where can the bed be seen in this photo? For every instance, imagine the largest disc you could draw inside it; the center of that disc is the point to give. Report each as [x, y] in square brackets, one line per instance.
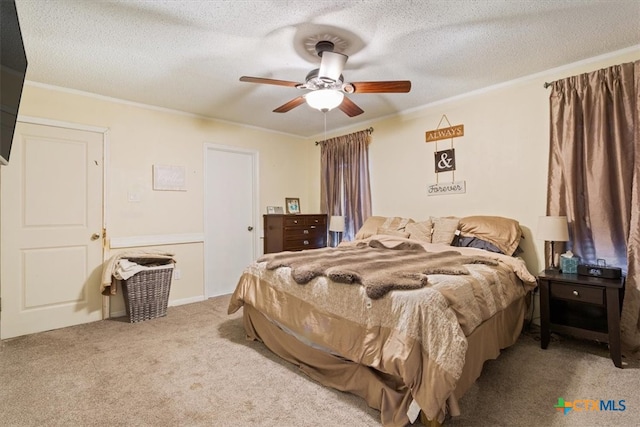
[398, 316]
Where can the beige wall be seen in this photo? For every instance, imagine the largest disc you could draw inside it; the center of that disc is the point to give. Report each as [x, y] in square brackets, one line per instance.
[502, 156]
[139, 137]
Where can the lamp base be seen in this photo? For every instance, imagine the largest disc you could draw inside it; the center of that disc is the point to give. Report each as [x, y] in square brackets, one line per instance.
[553, 268]
[335, 239]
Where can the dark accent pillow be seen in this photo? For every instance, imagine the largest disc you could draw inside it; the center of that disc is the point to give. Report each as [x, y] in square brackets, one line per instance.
[474, 242]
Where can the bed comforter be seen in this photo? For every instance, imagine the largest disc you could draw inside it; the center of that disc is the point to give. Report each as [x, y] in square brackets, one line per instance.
[415, 336]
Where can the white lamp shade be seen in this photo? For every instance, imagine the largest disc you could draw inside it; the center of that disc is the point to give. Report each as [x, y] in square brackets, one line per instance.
[336, 223]
[553, 228]
[324, 99]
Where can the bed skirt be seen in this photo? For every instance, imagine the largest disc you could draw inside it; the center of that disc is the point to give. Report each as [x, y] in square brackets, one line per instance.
[381, 391]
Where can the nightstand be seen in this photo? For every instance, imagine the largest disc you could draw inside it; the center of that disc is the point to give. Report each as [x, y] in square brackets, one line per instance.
[581, 306]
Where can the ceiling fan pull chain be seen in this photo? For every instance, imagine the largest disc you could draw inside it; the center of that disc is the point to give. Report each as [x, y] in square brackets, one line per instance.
[325, 126]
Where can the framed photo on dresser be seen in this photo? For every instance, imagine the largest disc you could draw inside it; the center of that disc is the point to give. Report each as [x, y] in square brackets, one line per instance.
[293, 205]
[274, 210]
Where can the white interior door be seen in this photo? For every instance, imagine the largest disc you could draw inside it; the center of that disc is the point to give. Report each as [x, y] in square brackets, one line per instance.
[230, 218]
[51, 229]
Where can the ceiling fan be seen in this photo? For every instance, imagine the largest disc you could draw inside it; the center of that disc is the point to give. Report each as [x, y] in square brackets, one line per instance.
[326, 84]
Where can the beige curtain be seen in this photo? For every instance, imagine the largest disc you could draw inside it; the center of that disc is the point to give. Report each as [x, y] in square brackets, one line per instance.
[330, 177]
[594, 174]
[344, 180]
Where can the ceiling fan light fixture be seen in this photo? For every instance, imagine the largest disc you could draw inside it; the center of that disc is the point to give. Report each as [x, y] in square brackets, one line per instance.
[331, 66]
[324, 99]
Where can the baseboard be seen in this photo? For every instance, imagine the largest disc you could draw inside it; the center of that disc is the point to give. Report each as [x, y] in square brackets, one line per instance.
[172, 303]
[184, 301]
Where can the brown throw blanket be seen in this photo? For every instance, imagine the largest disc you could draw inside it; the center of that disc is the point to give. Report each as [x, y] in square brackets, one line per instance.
[380, 269]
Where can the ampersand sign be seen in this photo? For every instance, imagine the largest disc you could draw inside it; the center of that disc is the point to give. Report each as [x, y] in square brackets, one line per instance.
[445, 160]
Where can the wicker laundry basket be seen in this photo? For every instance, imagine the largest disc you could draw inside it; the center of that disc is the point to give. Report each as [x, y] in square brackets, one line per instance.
[146, 293]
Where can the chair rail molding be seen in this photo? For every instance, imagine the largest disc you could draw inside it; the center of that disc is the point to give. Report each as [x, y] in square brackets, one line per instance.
[155, 240]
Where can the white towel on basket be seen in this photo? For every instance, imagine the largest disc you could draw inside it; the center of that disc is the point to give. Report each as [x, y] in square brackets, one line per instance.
[113, 266]
[126, 269]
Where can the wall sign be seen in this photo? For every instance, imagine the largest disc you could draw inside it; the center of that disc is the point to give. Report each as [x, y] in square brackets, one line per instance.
[445, 160]
[458, 187]
[444, 133]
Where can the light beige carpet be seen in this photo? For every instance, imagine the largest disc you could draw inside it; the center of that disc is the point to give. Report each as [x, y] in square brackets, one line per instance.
[194, 368]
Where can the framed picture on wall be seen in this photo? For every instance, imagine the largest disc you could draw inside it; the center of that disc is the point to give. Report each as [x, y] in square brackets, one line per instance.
[293, 205]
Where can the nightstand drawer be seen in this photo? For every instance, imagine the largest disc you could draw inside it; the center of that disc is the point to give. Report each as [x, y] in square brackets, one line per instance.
[569, 291]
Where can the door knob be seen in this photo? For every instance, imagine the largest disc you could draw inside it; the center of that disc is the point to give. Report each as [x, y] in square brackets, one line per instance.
[250, 228]
[95, 236]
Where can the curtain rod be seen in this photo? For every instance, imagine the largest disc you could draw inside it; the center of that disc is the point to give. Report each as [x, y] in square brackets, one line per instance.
[370, 130]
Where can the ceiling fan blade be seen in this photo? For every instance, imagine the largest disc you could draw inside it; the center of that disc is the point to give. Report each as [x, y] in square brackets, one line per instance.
[397, 86]
[268, 81]
[331, 65]
[290, 105]
[350, 108]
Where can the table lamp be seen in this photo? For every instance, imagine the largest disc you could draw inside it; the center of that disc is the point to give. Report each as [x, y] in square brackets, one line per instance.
[553, 229]
[336, 226]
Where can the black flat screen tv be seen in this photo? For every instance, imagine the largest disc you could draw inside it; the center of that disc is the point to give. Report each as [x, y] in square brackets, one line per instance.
[13, 67]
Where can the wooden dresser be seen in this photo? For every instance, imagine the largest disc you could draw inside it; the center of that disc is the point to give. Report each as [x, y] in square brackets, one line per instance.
[294, 232]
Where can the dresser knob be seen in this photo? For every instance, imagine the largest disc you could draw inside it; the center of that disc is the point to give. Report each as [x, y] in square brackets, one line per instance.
[575, 293]
[306, 242]
[305, 231]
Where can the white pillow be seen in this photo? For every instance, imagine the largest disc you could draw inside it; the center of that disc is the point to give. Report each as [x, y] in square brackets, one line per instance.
[420, 230]
[392, 232]
[444, 230]
[396, 223]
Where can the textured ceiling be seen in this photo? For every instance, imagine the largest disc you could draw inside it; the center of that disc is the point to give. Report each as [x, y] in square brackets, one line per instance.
[189, 55]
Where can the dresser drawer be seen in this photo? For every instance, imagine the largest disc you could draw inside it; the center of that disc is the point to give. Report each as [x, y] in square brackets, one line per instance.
[572, 292]
[312, 242]
[316, 220]
[295, 221]
[303, 232]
